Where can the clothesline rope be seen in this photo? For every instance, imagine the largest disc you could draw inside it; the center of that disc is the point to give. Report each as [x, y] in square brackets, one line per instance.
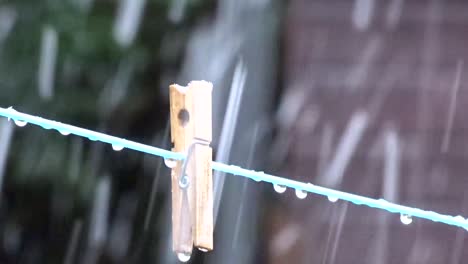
[280, 184]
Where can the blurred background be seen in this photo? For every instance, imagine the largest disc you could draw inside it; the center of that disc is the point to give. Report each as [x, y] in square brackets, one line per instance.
[363, 96]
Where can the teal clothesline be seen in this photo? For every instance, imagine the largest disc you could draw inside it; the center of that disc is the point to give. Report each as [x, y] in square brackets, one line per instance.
[301, 188]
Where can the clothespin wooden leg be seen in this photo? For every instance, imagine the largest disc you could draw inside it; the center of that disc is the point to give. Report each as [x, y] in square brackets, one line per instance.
[192, 192]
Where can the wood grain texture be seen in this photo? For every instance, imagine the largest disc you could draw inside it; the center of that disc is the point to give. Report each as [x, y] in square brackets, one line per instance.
[192, 208]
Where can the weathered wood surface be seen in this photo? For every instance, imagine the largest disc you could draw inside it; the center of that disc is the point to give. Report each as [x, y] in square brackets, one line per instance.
[192, 208]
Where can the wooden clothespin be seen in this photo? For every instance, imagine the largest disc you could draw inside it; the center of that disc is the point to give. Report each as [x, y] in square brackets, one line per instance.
[192, 188]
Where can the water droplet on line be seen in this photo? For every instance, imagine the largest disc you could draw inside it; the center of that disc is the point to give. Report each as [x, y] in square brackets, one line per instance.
[462, 219]
[301, 194]
[459, 217]
[406, 219]
[258, 178]
[117, 147]
[183, 257]
[170, 163]
[279, 188]
[20, 123]
[332, 199]
[65, 133]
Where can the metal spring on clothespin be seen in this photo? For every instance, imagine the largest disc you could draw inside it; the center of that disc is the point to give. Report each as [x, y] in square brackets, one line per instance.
[184, 180]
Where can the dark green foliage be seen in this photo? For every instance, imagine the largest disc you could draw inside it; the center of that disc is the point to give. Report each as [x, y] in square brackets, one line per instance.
[39, 189]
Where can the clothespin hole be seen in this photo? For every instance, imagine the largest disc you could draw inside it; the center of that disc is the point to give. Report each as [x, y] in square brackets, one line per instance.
[183, 117]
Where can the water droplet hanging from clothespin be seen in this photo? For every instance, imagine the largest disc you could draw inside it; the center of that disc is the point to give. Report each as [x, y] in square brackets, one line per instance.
[406, 219]
[301, 194]
[279, 188]
[183, 257]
